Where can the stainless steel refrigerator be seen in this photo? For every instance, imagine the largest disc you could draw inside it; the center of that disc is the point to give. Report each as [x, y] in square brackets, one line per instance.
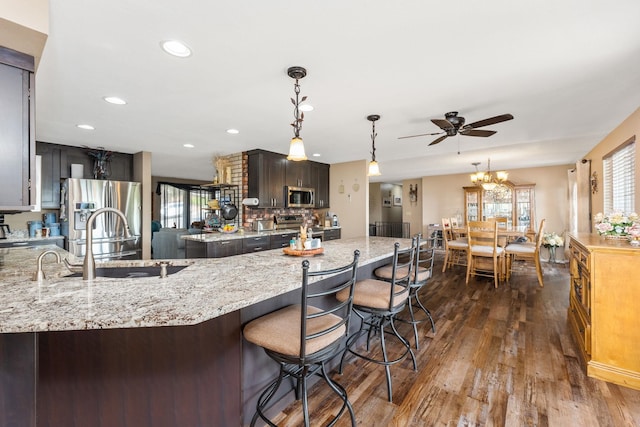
[82, 197]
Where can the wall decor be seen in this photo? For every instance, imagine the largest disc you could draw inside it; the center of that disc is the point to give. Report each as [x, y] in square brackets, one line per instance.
[386, 202]
[397, 200]
[413, 193]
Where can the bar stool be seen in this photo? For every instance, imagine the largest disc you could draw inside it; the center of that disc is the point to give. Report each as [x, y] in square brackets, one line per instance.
[376, 303]
[302, 337]
[422, 272]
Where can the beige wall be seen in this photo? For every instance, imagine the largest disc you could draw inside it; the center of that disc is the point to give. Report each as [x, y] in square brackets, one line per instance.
[24, 26]
[349, 197]
[412, 211]
[629, 128]
[443, 196]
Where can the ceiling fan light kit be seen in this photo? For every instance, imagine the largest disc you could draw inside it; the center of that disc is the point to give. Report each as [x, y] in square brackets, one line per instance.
[296, 147]
[452, 125]
[374, 169]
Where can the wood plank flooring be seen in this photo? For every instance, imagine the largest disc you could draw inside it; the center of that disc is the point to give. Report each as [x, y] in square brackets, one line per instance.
[499, 357]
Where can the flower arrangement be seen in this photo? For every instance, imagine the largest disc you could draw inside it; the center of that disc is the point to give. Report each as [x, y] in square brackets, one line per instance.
[552, 240]
[101, 162]
[616, 224]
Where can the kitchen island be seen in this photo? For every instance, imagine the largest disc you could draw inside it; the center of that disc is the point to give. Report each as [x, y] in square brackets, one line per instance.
[145, 351]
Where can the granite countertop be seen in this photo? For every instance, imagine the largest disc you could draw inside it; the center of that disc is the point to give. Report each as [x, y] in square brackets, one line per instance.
[205, 289]
[216, 236]
[15, 239]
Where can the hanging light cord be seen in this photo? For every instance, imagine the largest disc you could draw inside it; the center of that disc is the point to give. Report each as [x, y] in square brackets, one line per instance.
[299, 117]
[373, 140]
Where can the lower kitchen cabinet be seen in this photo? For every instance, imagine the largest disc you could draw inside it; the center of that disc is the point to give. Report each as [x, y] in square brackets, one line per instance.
[281, 240]
[217, 249]
[255, 244]
[603, 314]
[332, 234]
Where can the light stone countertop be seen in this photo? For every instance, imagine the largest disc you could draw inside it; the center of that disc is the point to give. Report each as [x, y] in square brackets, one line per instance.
[207, 288]
[15, 239]
[217, 236]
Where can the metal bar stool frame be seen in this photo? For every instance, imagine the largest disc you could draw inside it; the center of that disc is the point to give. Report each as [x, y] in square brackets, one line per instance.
[302, 365]
[376, 318]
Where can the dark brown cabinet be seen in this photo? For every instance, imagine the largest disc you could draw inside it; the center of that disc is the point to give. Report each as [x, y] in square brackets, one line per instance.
[17, 131]
[281, 240]
[270, 173]
[217, 249]
[267, 174]
[322, 185]
[332, 234]
[56, 165]
[49, 175]
[255, 244]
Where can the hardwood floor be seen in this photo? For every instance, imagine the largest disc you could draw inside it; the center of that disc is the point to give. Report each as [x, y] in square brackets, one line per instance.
[499, 357]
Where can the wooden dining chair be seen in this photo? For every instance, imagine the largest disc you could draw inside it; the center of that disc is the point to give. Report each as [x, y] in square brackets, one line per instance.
[483, 247]
[528, 252]
[455, 249]
[503, 224]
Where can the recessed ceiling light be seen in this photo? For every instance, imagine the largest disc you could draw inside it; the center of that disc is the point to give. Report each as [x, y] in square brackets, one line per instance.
[233, 131]
[306, 107]
[188, 146]
[316, 154]
[176, 48]
[86, 127]
[114, 100]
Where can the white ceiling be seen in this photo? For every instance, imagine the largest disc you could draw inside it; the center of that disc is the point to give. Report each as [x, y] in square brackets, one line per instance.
[568, 70]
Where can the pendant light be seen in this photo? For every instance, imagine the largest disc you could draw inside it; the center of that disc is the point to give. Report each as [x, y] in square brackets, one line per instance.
[488, 180]
[374, 169]
[296, 147]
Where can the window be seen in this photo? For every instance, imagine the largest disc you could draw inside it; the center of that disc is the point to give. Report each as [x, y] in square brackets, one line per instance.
[181, 205]
[619, 182]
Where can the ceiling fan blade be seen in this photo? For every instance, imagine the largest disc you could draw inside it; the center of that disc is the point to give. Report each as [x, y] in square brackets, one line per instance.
[442, 124]
[477, 132]
[489, 121]
[422, 134]
[439, 140]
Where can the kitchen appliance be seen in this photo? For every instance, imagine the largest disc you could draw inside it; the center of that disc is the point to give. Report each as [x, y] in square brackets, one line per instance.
[263, 225]
[299, 197]
[288, 222]
[82, 197]
[334, 220]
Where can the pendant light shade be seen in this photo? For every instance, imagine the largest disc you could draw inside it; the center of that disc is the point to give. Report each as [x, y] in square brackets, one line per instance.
[296, 150]
[296, 147]
[374, 169]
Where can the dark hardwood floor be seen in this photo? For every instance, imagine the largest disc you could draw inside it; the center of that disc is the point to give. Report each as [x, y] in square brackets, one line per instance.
[499, 357]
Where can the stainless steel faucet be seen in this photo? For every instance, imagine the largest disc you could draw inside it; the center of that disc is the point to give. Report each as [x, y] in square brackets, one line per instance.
[39, 276]
[89, 266]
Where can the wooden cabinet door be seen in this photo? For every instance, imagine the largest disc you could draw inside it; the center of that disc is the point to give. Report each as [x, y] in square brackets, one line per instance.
[267, 174]
[49, 175]
[224, 248]
[17, 162]
[322, 185]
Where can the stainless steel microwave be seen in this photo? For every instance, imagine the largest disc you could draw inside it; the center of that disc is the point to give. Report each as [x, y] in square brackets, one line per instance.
[300, 197]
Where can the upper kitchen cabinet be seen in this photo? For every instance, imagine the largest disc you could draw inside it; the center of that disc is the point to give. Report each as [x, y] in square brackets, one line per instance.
[299, 174]
[17, 131]
[270, 172]
[267, 175]
[322, 184]
[49, 175]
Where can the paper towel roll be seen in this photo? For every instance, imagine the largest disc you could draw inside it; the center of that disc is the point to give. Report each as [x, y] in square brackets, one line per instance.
[77, 170]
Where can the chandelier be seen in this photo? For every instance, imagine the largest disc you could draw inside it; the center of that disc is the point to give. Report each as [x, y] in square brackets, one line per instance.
[296, 147]
[374, 169]
[488, 180]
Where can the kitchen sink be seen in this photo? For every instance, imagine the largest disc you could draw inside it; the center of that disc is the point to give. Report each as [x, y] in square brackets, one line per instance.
[132, 272]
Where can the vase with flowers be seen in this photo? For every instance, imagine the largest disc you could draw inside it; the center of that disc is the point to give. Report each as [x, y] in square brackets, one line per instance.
[551, 241]
[616, 225]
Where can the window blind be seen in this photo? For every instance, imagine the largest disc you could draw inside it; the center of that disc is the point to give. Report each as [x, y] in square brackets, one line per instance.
[619, 181]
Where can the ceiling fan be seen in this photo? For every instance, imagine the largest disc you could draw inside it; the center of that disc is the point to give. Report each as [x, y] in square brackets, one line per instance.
[454, 124]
